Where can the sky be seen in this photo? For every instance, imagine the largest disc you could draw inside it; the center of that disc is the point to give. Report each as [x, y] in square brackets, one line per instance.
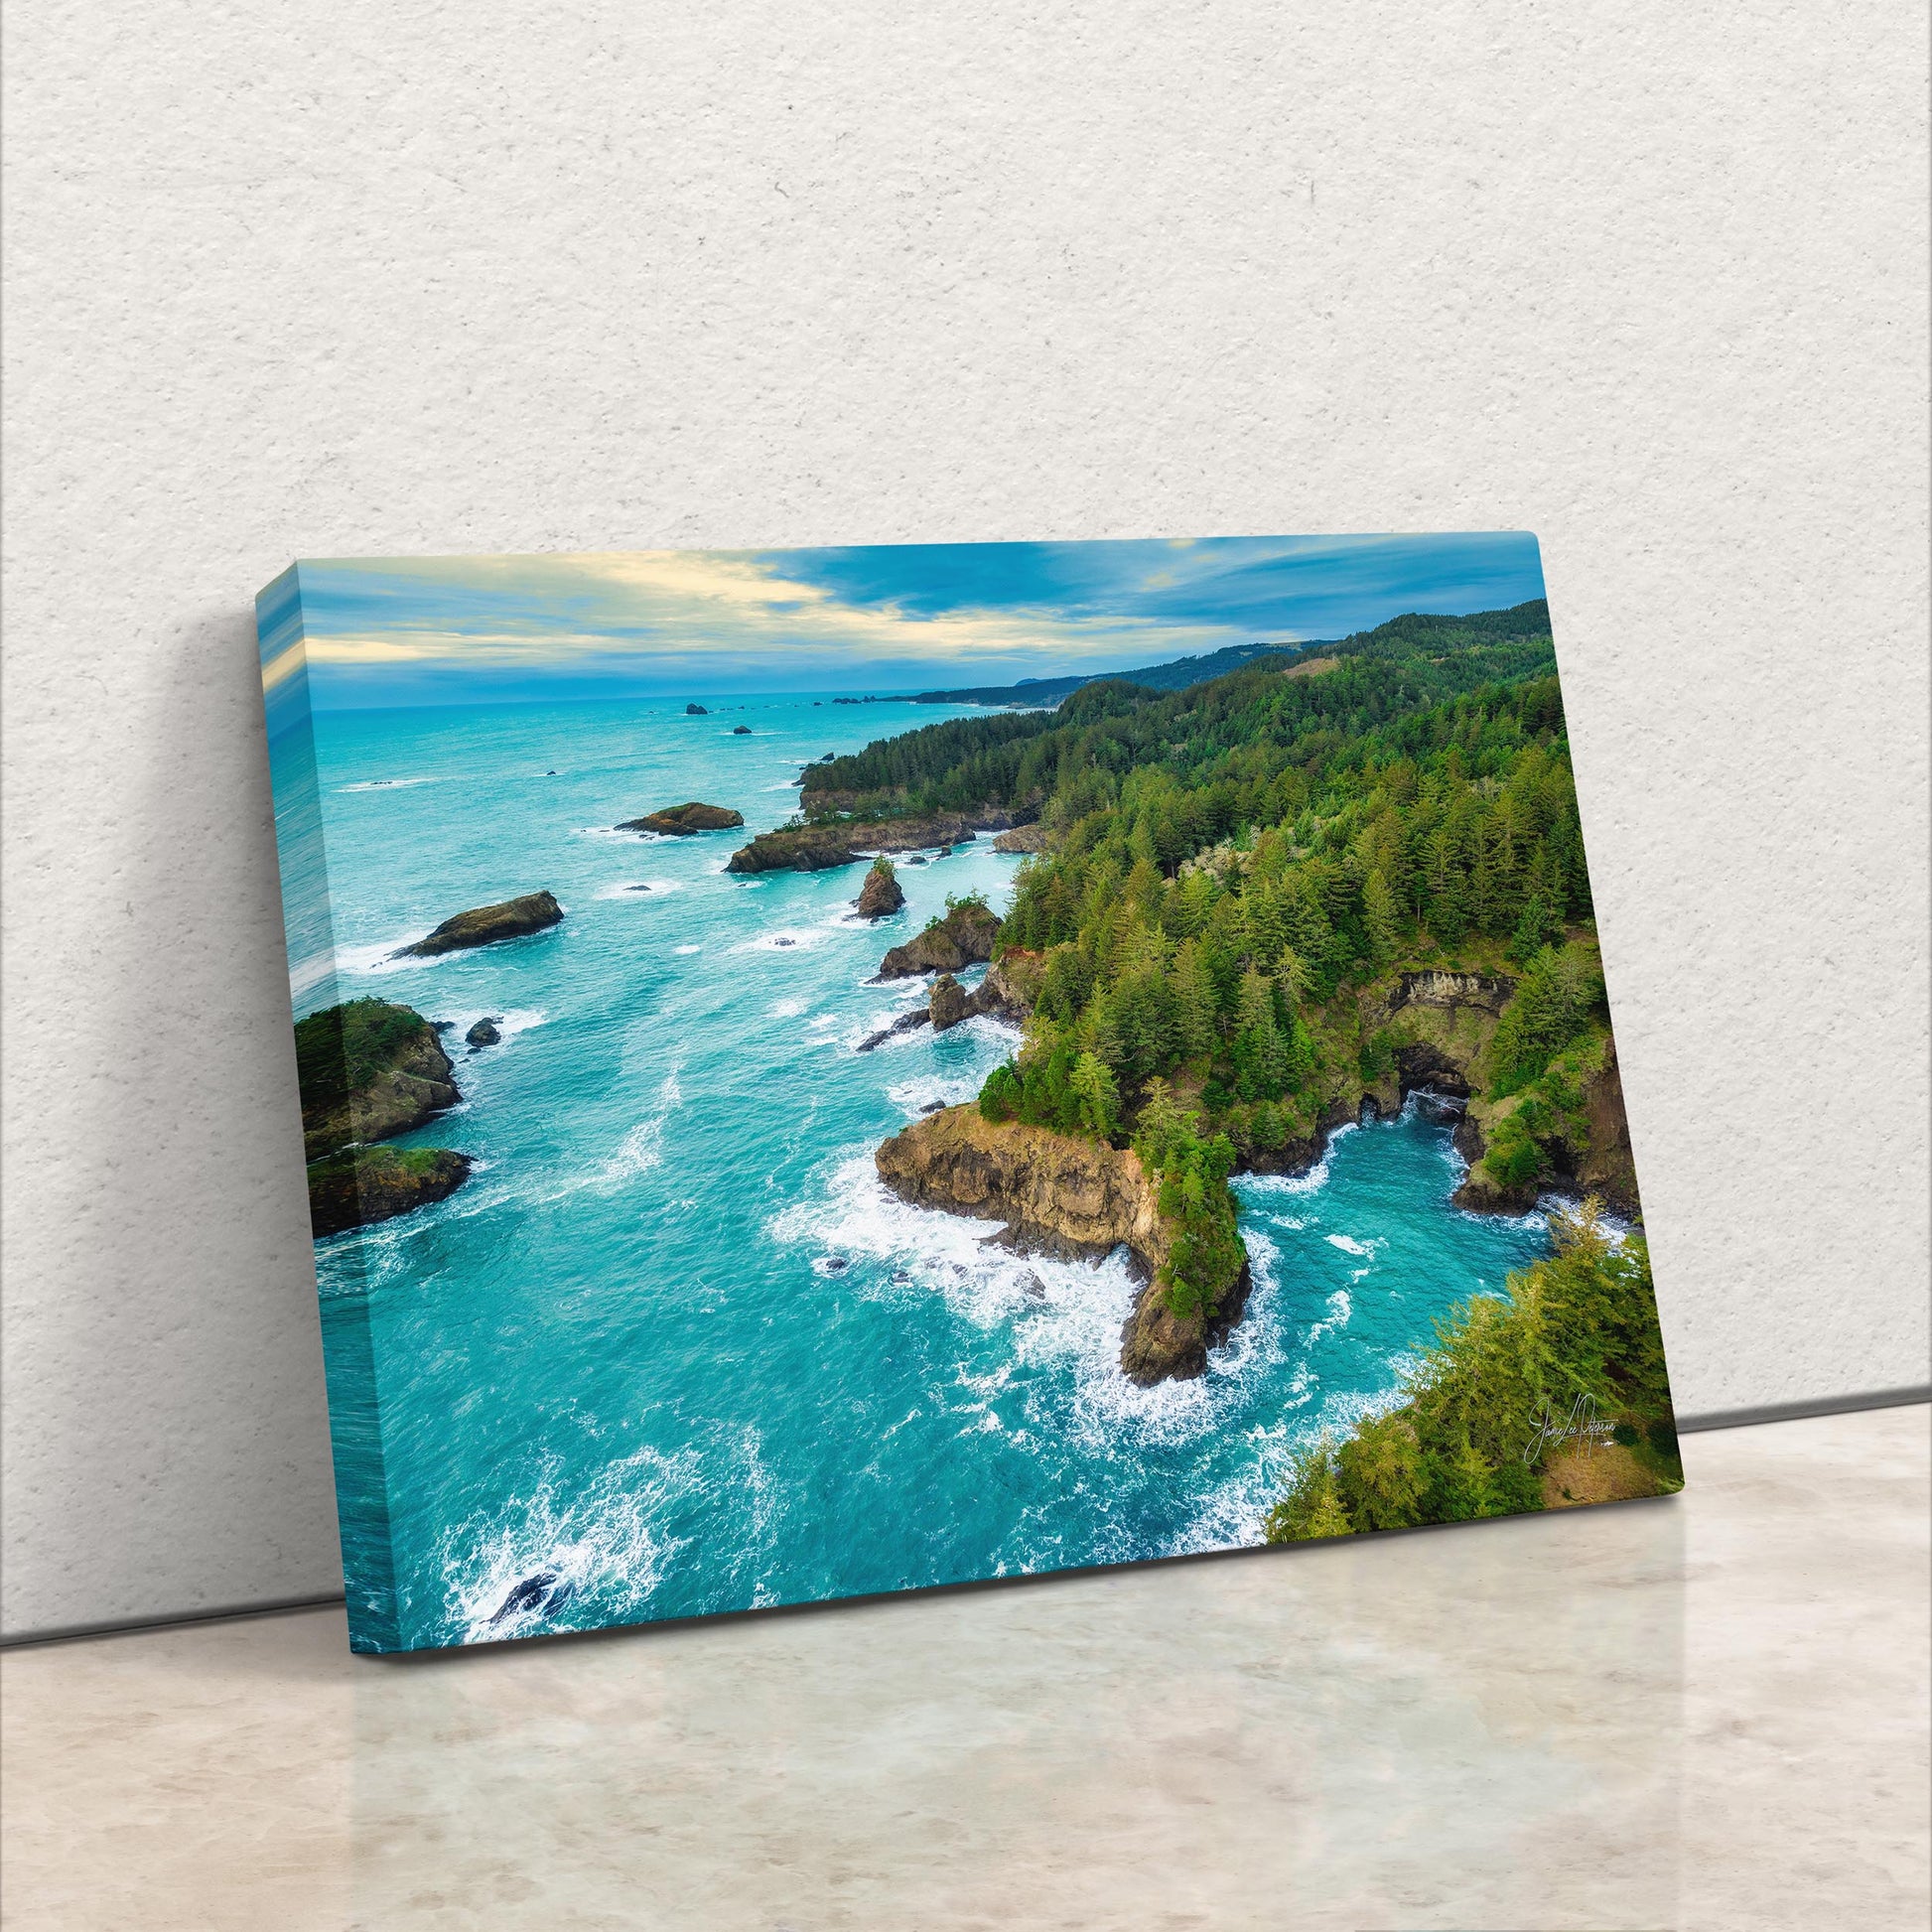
[892, 618]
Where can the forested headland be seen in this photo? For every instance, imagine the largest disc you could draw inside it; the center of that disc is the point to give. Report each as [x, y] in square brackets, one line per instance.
[1270, 897]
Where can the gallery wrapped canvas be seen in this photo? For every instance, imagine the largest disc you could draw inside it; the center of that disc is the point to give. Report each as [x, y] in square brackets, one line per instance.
[835, 1072]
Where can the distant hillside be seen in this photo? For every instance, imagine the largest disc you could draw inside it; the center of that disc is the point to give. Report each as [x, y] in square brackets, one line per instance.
[1180, 675]
[1415, 634]
[1030, 690]
[1010, 760]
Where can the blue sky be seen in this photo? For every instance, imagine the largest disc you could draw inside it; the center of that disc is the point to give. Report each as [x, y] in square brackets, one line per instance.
[696, 624]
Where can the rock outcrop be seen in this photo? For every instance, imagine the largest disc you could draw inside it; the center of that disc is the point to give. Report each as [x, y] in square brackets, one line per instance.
[741, 731]
[1481, 1192]
[696, 711]
[369, 1070]
[1158, 1345]
[963, 937]
[1439, 1026]
[1061, 1195]
[1011, 985]
[485, 1032]
[949, 1005]
[484, 925]
[1067, 1198]
[881, 895]
[680, 821]
[1609, 1169]
[1024, 838]
[907, 1023]
[365, 1184]
[826, 843]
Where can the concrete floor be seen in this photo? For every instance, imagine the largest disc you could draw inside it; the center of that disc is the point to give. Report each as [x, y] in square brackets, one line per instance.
[1705, 1712]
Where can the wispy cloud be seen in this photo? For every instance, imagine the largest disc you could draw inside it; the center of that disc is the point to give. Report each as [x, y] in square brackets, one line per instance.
[978, 611]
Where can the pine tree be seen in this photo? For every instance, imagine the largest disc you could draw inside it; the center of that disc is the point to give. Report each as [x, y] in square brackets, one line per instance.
[1379, 919]
[1326, 1517]
[1194, 1013]
[1266, 927]
[1096, 1095]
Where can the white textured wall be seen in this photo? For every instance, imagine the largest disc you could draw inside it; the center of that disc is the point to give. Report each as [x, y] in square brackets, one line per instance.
[1647, 278]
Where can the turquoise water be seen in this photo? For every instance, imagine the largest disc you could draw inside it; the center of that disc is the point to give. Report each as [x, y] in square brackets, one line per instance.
[672, 1348]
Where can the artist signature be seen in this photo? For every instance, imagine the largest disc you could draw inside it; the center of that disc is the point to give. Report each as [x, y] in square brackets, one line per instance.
[1552, 1428]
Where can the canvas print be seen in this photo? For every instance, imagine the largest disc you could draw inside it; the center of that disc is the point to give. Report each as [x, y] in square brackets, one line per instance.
[836, 1072]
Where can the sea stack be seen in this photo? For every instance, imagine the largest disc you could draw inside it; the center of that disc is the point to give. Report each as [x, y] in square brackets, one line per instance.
[484, 925]
[962, 938]
[881, 895]
[696, 711]
[949, 1004]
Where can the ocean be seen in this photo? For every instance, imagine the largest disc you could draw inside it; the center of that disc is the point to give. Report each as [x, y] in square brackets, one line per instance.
[672, 1348]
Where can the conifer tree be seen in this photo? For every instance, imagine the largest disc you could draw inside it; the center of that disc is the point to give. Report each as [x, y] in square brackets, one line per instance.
[1096, 1095]
[1379, 919]
[1195, 1014]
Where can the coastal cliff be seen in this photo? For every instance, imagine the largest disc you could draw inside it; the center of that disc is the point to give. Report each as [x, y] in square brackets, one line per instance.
[1065, 1198]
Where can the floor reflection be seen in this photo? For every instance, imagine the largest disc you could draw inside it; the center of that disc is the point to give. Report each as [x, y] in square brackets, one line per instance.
[1701, 1712]
[1485, 1721]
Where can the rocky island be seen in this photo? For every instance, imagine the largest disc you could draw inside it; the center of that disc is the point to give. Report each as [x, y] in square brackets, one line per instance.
[368, 1070]
[681, 821]
[484, 925]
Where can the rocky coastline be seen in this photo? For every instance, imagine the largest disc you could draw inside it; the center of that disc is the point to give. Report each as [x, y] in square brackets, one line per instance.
[1065, 1198]
[1066, 1195]
[823, 844]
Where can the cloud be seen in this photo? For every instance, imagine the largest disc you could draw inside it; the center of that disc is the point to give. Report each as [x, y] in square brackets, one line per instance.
[935, 612]
[533, 610]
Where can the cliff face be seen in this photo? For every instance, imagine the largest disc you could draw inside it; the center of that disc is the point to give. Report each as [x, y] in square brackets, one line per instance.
[1586, 1151]
[1607, 1169]
[481, 925]
[1439, 1026]
[1064, 1197]
[1061, 1195]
